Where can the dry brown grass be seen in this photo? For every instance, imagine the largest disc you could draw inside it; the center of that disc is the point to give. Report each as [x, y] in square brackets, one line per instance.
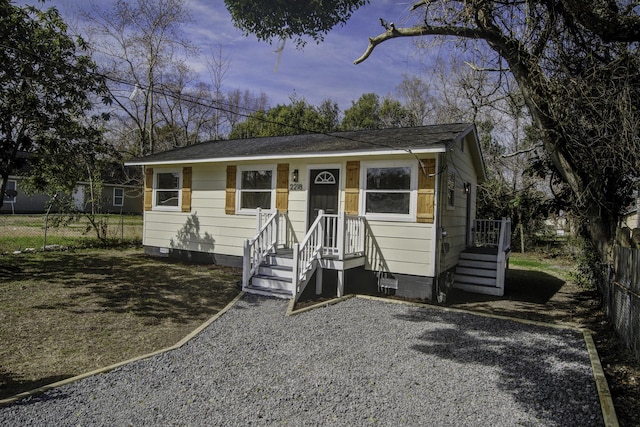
[66, 313]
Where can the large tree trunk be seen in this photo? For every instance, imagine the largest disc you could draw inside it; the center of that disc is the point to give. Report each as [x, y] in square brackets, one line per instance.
[534, 86]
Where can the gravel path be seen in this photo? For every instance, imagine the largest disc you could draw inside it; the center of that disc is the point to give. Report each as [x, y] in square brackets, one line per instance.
[358, 362]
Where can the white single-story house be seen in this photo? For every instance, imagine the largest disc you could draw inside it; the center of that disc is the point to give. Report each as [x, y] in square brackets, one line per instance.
[388, 208]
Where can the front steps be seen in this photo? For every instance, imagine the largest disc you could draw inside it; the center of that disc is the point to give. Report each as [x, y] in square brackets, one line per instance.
[274, 276]
[481, 270]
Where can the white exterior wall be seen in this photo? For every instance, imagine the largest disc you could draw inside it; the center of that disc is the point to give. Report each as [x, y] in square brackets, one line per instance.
[407, 247]
[206, 228]
[454, 220]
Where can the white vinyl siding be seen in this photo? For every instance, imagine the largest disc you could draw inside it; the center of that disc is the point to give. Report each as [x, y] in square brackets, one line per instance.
[451, 189]
[454, 218]
[405, 246]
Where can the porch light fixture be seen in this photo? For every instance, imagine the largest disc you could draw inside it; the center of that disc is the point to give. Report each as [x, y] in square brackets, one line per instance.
[467, 187]
[295, 175]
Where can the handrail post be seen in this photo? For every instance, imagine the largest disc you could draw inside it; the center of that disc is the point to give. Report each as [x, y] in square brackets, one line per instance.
[274, 238]
[246, 263]
[363, 229]
[503, 234]
[258, 220]
[321, 230]
[340, 237]
[296, 279]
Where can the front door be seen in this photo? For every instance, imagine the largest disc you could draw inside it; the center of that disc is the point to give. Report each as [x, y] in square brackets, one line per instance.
[323, 193]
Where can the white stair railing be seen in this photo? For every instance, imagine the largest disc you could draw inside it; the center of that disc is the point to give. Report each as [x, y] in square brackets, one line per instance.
[505, 235]
[352, 236]
[493, 233]
[306, 254]
[336, 236]
[257, 249]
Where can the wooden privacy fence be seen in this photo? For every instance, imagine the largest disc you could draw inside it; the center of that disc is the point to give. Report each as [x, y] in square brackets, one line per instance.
[622, 298]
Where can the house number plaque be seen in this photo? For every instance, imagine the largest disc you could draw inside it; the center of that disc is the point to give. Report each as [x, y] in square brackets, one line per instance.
[295, 186]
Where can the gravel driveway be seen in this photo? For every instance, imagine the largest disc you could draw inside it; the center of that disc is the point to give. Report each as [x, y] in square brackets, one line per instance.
[358, 362]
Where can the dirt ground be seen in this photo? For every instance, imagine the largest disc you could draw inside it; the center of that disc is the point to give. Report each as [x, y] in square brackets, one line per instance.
[546, 297]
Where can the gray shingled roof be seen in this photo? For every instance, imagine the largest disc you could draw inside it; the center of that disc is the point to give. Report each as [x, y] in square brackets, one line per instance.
[413, 138]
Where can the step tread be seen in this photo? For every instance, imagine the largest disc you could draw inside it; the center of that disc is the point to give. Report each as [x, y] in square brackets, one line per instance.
[485, 265]
[478, 257]
[276, 278]
[475, 280]
[277, 266]
[283, 292]
[483, 272]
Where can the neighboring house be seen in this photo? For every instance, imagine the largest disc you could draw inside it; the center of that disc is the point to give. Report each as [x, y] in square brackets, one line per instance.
[389, 208]
[115, 198]
[631, 219]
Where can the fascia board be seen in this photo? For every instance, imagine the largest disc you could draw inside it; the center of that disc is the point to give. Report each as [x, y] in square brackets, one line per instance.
[435, 149]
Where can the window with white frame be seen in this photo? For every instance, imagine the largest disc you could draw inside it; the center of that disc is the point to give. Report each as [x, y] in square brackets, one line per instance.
[451, 189]
[256, 188]
[118, 196]
[388, 190]
[12, 186]
[167, 189]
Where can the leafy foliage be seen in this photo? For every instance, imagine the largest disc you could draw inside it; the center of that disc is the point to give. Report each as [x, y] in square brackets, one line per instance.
[47, 88]
[269, 19]
[368, 113]
[295, 118]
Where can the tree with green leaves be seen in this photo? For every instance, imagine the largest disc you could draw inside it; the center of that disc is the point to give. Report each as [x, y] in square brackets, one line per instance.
[48, 88]
[575, 62]
[292, 119]
[291, 19]
[369, 113]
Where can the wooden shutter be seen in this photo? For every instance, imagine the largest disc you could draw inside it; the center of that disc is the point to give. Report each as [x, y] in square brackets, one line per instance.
[426, 190]
[186, 189]
[282, 187]
[148, 189]
[352, 188]
[230, 199]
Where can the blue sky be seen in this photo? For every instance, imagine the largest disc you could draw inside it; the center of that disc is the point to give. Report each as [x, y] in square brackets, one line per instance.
[316, 72]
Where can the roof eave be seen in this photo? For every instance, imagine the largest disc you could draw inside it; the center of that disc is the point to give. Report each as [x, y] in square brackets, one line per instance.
[436, 148]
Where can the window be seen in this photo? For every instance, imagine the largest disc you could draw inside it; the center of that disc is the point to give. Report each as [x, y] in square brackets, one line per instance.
[118, 196]
[388, 191]
[12, 187]
[256, 186]
[451, 189]
[167, 190]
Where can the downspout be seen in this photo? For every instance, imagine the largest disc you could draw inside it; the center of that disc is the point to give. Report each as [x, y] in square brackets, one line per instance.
[437, 221]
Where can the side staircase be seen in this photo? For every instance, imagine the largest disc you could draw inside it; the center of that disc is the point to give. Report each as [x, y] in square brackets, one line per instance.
[274, 276]
[481, 267]
[477, 271]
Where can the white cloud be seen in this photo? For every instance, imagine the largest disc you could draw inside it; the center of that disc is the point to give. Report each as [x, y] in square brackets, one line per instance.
[317, 72]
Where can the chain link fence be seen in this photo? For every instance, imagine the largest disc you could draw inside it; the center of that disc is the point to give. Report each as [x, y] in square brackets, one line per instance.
[47, 231]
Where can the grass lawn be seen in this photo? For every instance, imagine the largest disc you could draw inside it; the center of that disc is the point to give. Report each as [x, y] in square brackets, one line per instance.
[19, 232]
[66, 313]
